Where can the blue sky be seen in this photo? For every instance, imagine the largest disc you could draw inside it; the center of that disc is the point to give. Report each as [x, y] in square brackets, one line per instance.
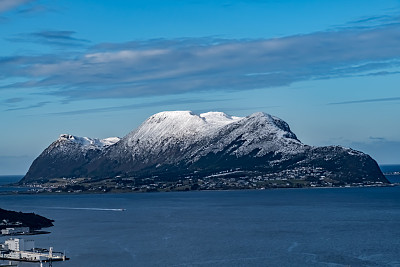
[331, 69]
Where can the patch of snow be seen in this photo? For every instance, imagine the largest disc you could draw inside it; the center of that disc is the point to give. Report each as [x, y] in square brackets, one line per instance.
[109, 141]
[219, 118]
[89, 143]
[171, 127]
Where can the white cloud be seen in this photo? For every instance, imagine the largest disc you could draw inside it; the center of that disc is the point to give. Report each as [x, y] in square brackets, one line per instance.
[156, 67]
[124, 55]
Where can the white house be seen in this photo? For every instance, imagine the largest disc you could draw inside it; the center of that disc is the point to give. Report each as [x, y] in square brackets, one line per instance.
[19, 244]
[15, 230]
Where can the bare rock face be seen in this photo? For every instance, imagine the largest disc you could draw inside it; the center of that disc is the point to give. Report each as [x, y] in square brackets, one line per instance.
[179, 144]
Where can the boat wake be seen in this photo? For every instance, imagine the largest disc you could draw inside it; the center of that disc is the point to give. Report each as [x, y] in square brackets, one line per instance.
[95, 209]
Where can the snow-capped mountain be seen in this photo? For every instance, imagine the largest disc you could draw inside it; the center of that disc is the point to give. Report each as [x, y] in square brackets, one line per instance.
[180, 144]
[172, 138]
[195, 136]
[65, 156]
[174, 130]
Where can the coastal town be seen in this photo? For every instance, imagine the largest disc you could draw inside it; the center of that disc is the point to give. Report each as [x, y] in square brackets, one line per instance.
[235, 179]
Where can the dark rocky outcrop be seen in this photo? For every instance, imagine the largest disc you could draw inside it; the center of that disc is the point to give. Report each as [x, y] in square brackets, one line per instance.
[33, 221]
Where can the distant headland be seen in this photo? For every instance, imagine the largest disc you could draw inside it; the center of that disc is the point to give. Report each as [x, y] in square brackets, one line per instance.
[181, 151]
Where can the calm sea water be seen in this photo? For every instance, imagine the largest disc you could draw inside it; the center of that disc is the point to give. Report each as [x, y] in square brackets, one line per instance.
[285, 227]
[5, 180]
[391, 169]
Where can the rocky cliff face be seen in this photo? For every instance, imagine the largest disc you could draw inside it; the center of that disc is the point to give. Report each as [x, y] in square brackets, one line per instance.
[179, 144]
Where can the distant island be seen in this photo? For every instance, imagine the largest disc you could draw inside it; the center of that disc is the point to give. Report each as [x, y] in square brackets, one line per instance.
[181, 151]
[13, 219]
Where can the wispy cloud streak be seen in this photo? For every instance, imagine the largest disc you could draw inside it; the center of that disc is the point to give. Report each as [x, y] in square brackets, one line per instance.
[37, 105]
[366, 101]
[6, 5]
[13, 100]
[60, 38]
[162, 67]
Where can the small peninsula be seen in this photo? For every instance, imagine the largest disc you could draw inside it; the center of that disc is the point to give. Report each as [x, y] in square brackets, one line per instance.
[20, 219]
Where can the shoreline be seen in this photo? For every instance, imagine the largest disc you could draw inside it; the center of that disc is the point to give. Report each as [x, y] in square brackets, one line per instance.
[84, 186]
[182, 191]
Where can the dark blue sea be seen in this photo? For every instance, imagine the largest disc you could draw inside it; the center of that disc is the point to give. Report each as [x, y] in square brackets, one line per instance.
[284, 227]
[5, 180]
[388, 170]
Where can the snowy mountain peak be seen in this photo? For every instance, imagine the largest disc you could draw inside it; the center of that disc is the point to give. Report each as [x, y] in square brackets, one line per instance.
[89, 143]
[212, 117]
[188, 118]
[171, 115]
[178, 125]
[272, 124]
[218, 118]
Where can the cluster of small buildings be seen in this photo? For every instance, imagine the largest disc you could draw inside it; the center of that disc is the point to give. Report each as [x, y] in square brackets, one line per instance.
[307, 176]
[13, 228]
[18, 249]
